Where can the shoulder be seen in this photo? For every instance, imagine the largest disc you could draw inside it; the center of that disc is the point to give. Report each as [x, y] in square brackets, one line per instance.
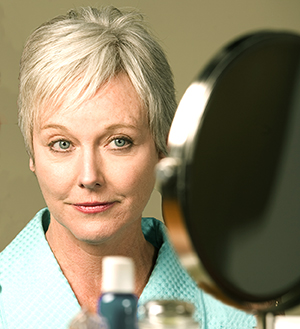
[32, 286]
[220, 315]
[169, 280]
[13, 256]
[23, 255]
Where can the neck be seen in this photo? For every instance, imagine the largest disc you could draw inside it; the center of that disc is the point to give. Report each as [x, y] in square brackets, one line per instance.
[81, 262]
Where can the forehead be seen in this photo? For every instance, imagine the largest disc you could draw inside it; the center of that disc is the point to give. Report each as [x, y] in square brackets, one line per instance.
[116, 100]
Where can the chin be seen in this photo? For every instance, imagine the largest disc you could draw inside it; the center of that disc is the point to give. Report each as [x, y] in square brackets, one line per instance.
[94, 236]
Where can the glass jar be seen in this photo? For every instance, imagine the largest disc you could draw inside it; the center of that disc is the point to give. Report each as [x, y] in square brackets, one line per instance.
[167, 314]
[87, 320]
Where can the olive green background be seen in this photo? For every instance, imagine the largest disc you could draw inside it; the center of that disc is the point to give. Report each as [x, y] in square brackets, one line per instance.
[190, 31]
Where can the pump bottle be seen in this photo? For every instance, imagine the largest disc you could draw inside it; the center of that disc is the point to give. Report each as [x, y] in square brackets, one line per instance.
[118, 304]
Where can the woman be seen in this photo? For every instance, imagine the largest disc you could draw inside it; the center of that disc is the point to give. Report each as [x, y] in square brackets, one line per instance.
[95, 106]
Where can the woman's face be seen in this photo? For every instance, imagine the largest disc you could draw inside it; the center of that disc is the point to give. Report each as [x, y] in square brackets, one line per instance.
[95, 165]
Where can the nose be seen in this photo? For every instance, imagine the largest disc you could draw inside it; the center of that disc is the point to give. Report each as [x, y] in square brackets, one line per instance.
[90, 174]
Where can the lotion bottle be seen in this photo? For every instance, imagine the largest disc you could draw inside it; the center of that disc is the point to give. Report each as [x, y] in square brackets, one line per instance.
[118, 304]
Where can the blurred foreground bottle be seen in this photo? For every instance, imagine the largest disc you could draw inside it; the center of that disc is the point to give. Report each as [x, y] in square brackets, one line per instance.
[87, 320]
[118, 304]
[167, 314]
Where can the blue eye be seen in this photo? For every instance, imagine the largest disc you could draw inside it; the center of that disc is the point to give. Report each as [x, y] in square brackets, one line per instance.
[120, 142]
[60, 146]
[64, 145]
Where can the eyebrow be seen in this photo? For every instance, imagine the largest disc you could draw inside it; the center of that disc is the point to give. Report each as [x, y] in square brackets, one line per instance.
[111, 127]
[53, 126]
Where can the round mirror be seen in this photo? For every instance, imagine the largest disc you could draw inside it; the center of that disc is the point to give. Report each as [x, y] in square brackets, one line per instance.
[231, 183]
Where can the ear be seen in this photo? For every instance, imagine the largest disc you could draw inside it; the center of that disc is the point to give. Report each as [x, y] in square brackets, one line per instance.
[161, 155]
[31, 165]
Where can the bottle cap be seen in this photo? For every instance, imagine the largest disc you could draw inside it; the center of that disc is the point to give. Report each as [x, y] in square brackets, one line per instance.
[117, 274]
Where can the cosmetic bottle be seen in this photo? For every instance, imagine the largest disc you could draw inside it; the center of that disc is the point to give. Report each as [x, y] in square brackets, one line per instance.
[87, 320]
[167, 314]
[118, 304]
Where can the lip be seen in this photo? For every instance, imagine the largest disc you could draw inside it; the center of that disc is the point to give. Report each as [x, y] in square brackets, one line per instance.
[93, 207]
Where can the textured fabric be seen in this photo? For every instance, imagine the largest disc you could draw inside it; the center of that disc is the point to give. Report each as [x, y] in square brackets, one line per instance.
[34, 293]
[169, 280]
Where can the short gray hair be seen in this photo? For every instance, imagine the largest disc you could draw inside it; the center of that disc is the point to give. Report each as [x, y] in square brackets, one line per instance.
[83, 50]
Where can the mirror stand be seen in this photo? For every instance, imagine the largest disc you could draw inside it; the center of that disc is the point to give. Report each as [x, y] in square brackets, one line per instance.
[265, 320]
[271, 321]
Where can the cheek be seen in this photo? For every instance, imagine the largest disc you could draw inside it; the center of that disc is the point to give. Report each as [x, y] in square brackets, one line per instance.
[137, 179]
[53, 179]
